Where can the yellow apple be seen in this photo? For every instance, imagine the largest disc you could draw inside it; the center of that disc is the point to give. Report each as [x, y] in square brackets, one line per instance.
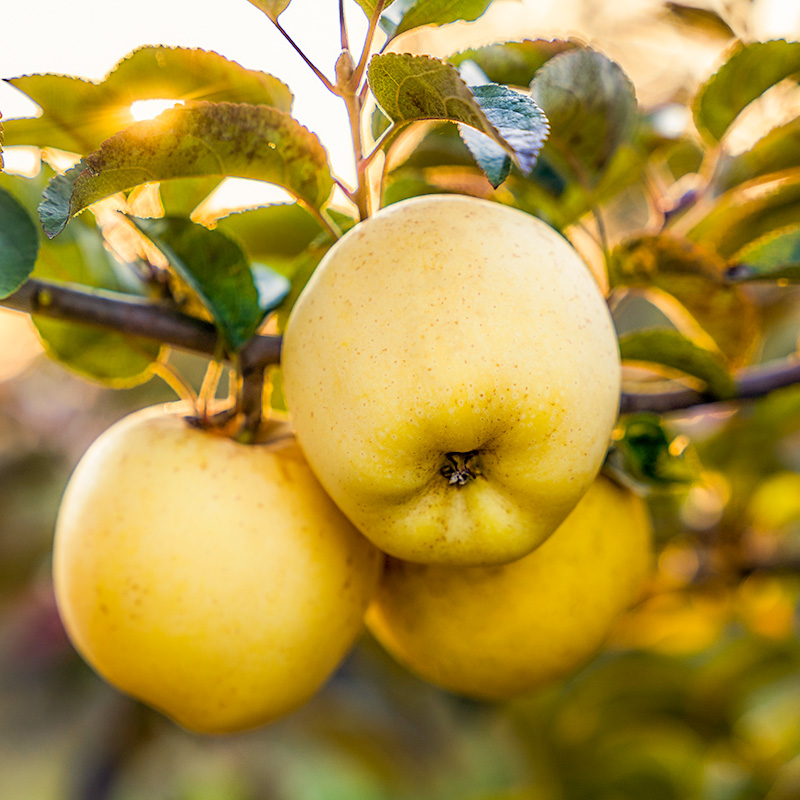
[453, 377]
[213, 580]
[494, 632]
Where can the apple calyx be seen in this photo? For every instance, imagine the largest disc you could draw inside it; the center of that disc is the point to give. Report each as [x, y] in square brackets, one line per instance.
[457, 470]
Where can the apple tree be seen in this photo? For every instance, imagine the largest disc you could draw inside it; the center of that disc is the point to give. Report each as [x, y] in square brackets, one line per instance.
[128, 272]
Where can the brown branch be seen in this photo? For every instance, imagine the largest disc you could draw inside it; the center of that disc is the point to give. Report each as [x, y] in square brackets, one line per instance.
[752, 382]
[162, 323]
[137, 317]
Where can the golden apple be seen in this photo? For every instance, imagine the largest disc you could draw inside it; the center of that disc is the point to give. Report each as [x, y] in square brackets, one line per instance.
[493, 632]
[453, 377]
[213, 580]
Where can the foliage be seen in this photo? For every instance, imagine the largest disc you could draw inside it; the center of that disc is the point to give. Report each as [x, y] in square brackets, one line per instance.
[19, 244]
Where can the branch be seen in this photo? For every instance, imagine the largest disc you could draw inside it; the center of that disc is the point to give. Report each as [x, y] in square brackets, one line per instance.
[750, 383]
[162, 323]
[136, 317]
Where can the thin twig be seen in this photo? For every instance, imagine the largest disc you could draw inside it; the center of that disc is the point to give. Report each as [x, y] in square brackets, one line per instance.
[384, 142]
[346, 190]
[330, 226]
[345, 39]
[182, 388]
[361, 194]
[328, 85]
[208, 389]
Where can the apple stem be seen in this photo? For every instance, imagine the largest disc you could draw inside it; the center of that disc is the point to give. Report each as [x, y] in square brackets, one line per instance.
[249, 401]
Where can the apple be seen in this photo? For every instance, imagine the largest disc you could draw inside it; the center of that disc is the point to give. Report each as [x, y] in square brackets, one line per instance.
[453, 377]
[495, 632]
[213, 580]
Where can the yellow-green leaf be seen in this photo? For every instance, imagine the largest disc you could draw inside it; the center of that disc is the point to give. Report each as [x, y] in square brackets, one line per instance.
[695, 278]
[79, 257]
[748, 72]
[774, 258]
[776, 152]
[78, 115]
[670, 348]
[434, 12]
[591, 105]
[107, 357]
[369, 6]
[272, 8]
[702, 21]
[512, 63]
[749, 212]
[203, 139]
[99, 355]
[410, 88]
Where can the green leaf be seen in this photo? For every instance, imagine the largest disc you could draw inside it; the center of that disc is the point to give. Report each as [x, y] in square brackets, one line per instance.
[410, 88]
[2, 140]
[78, 115]
[512, 63]
[109, 357]
[670, 348]
[490, 157]
[19, 244]
[778, 151]
[106, 357]
[272, 8]
[646, 454]
[205, 139]
[748, 213]
[750, 69]
[415, 14]
[275, 235]
[775, 258]
[591, 105]
[217, 270]
[694, 278]
[518, 120]
[179, 198]
[378, 123]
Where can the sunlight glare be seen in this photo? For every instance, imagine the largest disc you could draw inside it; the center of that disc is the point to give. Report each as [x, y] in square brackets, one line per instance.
[237, 194]
[150, 109]
[22, 160]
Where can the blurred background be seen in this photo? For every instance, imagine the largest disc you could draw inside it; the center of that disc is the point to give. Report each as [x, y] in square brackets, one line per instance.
[697, 694]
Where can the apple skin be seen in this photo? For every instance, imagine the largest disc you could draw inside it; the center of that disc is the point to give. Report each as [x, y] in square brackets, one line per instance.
[444, 326]
[213, 580]
[495, 632]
